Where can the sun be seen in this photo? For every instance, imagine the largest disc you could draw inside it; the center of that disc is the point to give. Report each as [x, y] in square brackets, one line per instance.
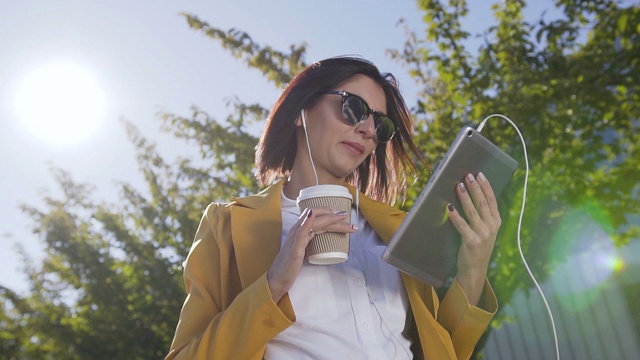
[60, 103]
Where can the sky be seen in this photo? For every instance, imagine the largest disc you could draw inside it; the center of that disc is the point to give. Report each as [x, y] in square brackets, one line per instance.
[144, 58]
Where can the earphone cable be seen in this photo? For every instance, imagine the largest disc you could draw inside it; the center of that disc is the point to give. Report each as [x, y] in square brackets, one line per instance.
[306, 135]
[524, 199]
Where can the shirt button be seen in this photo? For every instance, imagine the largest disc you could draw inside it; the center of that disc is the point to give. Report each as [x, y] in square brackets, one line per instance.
[366, 325]
[358, 282]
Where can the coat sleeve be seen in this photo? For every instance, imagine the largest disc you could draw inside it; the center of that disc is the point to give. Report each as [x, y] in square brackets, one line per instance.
[464, 322]
[219, 319]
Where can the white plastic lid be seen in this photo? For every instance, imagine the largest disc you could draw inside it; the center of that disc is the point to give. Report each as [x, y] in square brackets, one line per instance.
[324, 190]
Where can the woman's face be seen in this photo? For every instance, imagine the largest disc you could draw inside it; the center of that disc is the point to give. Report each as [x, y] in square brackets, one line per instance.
[337, 147]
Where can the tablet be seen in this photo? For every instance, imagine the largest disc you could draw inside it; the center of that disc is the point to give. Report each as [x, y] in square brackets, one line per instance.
[426, 244]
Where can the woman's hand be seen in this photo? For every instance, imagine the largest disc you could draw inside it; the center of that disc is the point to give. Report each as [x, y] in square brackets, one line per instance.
[288, 263]
[478, 231]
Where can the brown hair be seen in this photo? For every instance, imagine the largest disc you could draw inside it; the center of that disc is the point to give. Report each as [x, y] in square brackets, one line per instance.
[383, 175]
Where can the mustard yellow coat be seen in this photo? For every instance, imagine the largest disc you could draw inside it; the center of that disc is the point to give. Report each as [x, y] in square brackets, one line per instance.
[229, 314]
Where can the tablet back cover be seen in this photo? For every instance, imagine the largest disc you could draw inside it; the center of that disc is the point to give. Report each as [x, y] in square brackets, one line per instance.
[426, 244]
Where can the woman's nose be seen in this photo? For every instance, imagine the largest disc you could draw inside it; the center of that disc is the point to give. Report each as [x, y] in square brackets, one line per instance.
[367, 128]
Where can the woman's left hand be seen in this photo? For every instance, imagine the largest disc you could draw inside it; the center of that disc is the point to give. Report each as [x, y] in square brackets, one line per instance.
[478, 231]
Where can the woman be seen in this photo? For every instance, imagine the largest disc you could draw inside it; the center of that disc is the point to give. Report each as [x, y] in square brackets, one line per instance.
[252, 295]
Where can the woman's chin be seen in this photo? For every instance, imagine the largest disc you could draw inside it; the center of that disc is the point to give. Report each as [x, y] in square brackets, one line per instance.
[344, 174]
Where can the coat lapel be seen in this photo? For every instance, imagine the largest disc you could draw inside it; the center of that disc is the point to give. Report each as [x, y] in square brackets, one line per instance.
[384, 219]
[256, 227]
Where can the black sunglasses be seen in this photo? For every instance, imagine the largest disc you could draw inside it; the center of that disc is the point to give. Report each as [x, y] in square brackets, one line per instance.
[355, 110]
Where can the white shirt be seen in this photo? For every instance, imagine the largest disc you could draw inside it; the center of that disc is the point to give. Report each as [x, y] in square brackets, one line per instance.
[353, 310]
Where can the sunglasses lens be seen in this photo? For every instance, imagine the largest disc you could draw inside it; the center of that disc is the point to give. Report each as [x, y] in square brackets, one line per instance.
[385, 128]
[354, 110]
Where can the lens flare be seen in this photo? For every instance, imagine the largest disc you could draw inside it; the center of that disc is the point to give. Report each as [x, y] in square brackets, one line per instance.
[583, 238]
[615, 264]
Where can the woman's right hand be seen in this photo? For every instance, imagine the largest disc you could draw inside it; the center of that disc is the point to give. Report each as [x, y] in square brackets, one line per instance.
[288, 263]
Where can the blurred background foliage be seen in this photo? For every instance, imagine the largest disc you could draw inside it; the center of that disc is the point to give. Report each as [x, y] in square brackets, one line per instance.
[110, 286]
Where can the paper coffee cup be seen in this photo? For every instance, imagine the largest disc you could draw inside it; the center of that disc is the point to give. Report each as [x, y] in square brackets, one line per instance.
[329, 247]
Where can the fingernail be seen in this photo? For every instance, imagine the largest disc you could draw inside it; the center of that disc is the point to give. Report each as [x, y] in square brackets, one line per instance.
[309, 213]
[481, 177]
[450, 207]
[462, 187]
[354, 227]
[471, 178]
[343, 212]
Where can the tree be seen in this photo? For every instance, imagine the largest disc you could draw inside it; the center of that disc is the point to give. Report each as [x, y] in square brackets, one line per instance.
[111, 287]
[576, 103]
[571, 85]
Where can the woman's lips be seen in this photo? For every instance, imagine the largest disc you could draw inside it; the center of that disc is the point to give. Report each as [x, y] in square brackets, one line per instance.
[354, 148]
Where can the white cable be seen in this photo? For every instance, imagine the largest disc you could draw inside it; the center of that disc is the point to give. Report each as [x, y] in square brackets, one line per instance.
[306, 135]
[524, 199]
[395, 347]
[357, 202]
[313, 165]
